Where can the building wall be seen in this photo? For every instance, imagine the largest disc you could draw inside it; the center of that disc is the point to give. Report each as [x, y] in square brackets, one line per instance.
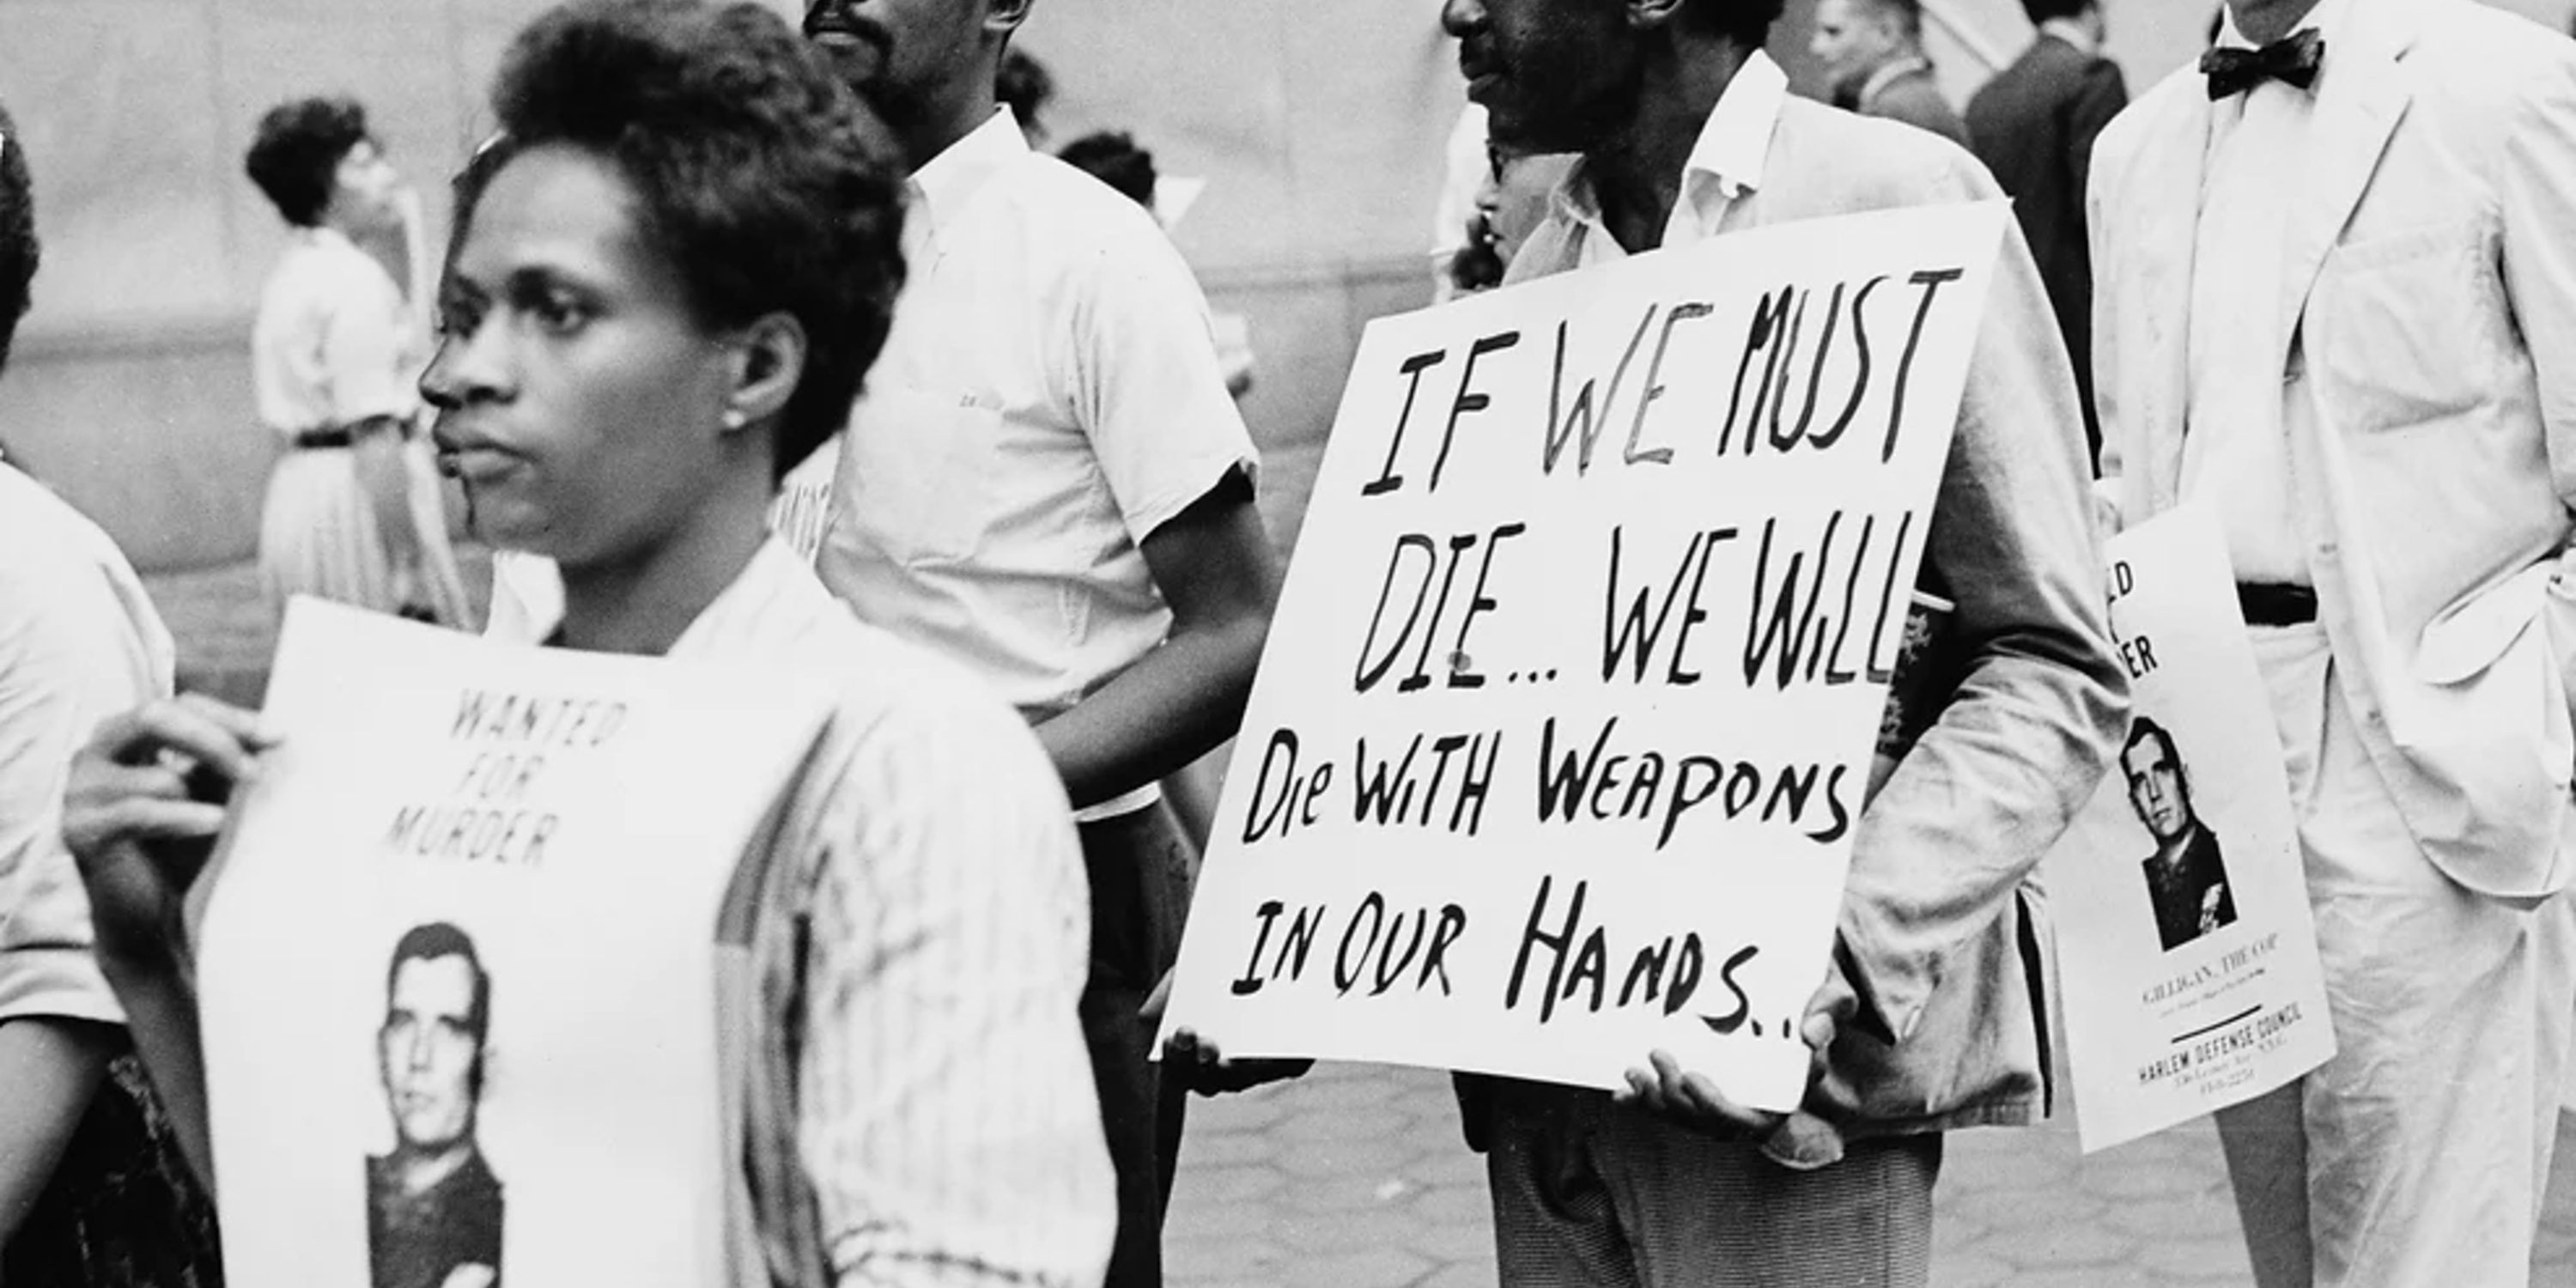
[1318, 125]
[130, 390]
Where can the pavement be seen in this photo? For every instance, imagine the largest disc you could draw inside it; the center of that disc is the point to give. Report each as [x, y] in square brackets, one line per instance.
[223, 628]
[1355, 1176]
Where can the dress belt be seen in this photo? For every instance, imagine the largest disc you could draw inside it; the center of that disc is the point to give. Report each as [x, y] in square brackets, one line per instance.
[2276, 603]
[314, 439]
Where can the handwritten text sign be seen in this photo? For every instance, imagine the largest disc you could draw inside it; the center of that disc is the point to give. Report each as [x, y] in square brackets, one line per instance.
[550, 833]
[1557, 747]
[2187, 958]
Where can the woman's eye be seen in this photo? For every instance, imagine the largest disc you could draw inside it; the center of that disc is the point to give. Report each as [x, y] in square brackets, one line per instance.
[559, 314]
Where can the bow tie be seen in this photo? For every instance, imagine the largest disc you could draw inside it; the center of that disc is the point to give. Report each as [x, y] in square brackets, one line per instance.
[2291, 60]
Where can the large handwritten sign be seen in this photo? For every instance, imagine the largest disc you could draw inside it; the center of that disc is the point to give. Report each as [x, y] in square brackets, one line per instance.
[2187, 958]
[1556, 751]
[458, 966]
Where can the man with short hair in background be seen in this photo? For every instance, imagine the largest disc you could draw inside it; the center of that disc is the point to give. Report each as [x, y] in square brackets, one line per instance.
[2034, 125]
[1875, 65]
[1047, 482]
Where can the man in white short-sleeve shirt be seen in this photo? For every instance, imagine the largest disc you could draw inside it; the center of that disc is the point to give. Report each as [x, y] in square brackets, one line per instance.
[78, 642]
[998, 482]
[1047, 481]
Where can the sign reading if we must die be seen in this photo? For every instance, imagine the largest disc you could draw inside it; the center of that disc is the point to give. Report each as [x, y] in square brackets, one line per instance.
[1558, 745]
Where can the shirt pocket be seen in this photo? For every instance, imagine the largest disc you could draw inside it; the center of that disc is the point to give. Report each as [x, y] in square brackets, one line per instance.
[917, 468]
[2401, 326]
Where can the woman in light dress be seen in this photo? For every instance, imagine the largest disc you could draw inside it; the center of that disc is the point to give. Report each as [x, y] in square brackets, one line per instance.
[353, 511]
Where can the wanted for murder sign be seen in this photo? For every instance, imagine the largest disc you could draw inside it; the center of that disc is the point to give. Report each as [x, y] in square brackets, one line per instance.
[2186, 958]
[457, 970]
[1556, 752]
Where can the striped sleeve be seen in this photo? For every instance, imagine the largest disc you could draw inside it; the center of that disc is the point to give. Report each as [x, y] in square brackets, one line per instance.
[947, 1119]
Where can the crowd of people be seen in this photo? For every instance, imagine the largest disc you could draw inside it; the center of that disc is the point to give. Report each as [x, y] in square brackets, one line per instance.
[2321, 282]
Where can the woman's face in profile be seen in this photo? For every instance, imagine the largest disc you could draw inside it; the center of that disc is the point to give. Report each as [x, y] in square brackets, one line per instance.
[365, 188]
[580, 399]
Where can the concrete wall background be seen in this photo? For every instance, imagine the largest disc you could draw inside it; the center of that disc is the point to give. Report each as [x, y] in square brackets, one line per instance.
[130, 390]
[1317, 123]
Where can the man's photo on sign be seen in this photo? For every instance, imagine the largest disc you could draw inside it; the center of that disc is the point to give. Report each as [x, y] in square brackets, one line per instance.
[2186, 877]
[433, 1205]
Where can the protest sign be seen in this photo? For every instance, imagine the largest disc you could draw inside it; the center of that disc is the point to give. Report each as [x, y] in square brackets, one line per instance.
[1556, 749]
[457, 969]
[2186, 958]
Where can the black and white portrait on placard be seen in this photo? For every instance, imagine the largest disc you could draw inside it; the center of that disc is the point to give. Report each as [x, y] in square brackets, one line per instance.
[2186, 875]
[433, 1204]
[2185, 951]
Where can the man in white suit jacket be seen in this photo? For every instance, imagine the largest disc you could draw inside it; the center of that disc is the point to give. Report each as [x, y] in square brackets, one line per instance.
[2343, 312]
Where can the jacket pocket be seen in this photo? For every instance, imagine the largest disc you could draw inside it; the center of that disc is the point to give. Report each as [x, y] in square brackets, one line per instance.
[2401, 327]
[2466, 638]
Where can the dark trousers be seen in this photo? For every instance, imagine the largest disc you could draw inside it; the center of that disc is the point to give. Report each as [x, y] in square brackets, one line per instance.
[1140, 866]
[1592, 1194]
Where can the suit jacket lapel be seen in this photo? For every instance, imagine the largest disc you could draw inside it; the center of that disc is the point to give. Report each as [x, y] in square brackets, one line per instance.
[2359, 100]
[2165, 183]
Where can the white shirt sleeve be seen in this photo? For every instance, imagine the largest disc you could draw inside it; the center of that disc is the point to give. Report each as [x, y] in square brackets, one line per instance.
[1147, 386]
[77, 645]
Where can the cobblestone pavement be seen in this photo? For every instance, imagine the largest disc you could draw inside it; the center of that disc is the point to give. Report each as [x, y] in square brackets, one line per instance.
[1355, 1176]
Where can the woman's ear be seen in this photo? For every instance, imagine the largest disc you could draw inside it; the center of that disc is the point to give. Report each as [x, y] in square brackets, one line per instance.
[1005, 16]
[768, 361]
[1654, 13]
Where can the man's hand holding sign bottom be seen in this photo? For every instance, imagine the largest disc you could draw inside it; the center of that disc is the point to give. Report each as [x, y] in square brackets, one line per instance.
[1793, 1139]
[1201, 1066]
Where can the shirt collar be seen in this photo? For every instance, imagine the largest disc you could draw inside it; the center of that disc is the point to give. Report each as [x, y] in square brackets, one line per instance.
[772, 571]
[1733, 145]
[1889, 71]
[775, 580]
[942, 186]
[2072, 32]
[2323, 19]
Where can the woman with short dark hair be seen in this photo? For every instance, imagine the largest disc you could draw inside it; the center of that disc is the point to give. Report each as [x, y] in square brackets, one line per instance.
[671, 269]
